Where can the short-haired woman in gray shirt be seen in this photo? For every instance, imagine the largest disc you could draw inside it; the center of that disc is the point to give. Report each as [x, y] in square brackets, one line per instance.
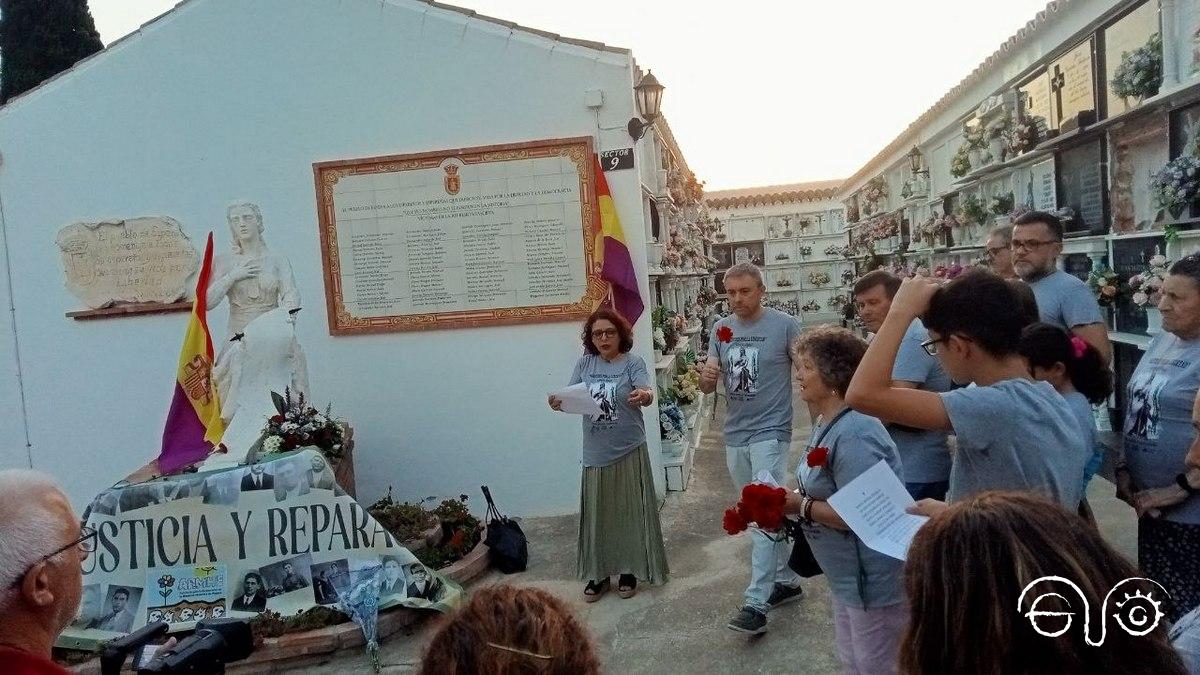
[619, 530]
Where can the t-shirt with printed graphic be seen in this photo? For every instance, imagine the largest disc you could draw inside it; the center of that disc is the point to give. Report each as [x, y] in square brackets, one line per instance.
[1015, 435]
[757, 367]
[1064, 300]
[619, 429]
[926, 453]
[1158, 418]
[856, 443]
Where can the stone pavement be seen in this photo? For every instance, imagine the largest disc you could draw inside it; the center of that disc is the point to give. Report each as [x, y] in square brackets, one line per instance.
[680, 627]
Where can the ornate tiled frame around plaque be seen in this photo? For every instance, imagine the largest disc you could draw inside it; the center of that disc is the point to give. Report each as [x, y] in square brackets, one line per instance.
[578, 150]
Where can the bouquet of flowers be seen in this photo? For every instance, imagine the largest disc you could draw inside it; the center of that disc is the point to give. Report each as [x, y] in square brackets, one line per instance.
[960, 163]
[664, 322]
[1104, 284]
[1002, 205]
[834, 249]
[783, 282]
[1147, 286]
[875, 191]
[1139, 74]
[805, 251]
[1177, 185]
[838, 300]
[761, 506]
[1022, 136]
[782, 256]
[972, 210]
[847, 276]
[670, 419]
[687, 386]
[811, 306]
[818, 278]
[297, 424]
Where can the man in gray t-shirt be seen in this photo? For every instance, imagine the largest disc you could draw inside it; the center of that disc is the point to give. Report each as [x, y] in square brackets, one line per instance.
[925, 454]
[751, 350]
[1062, 299]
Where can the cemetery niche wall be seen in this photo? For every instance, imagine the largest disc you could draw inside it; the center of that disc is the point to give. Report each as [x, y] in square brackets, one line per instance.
[502, 234]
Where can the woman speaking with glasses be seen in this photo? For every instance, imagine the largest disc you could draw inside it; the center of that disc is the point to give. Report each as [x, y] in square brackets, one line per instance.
[619, 531]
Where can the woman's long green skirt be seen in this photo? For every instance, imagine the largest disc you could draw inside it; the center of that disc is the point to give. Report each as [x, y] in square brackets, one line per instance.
[619, 531]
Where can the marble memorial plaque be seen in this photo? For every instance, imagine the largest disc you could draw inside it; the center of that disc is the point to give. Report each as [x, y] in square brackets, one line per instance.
[127, 261]
[1071, 84]
[479, 236]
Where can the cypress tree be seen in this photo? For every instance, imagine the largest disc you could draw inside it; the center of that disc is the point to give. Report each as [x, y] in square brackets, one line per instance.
[41, 38]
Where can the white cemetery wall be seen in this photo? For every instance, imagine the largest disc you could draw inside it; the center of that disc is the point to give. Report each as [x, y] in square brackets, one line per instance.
[223, 100]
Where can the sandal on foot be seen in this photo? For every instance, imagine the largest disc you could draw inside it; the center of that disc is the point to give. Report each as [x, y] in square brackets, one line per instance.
[595, 590]
[627, 586]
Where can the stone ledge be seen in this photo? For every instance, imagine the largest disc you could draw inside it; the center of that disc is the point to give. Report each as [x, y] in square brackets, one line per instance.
[131, 309]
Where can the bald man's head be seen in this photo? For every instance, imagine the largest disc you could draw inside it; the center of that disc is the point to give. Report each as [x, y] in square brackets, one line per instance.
[36, 519]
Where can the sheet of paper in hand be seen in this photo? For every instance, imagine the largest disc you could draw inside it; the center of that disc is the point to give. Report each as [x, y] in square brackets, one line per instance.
[280, 535]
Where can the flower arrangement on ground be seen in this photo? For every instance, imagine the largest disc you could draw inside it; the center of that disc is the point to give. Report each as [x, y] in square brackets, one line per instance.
[1140, 72]
[1147, 286]
[1105, 285]
[1177, 185]
[811, 306]
[297, 424]
[818, 278]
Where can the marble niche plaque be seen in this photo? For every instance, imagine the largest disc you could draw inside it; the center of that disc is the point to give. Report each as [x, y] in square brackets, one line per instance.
[139, 260]
[471, 237]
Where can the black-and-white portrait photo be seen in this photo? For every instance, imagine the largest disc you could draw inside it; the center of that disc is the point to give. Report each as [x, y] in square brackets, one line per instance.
[291, 479]
[120, 605]
[257, 478]
[288, 575]
[253, 596]
[329, 580]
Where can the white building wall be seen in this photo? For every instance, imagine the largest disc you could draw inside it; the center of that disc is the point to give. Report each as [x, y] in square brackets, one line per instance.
[225, 99]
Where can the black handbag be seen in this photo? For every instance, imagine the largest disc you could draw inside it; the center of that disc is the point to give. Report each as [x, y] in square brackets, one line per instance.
[508, 549]
[802, 561]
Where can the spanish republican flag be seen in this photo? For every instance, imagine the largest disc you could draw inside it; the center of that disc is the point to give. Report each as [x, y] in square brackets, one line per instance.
[194, 423]
[616, 265]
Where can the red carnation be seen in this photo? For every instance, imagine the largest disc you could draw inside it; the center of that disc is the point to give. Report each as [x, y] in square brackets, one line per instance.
[725, 334]
[277, 419]
[763, 505]
[733, 521]
[818, 456]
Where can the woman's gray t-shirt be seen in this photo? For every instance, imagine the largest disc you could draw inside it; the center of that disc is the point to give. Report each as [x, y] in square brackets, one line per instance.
[856, 443]
[1016, 435]
[1158, 418]
[612, 435]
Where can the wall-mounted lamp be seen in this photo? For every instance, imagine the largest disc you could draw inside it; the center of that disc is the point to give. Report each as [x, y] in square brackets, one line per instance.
[648, 96]
[916, 160]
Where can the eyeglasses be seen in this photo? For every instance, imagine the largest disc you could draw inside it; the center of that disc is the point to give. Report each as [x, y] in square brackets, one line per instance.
[930, 346]
[1031, 244]
[86, 543]
[604, 332]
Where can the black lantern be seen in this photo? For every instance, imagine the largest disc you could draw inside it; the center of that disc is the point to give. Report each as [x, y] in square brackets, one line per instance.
[914, 159]
[648, 96]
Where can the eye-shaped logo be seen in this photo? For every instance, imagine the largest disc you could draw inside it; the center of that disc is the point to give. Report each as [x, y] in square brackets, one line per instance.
[1136, 612]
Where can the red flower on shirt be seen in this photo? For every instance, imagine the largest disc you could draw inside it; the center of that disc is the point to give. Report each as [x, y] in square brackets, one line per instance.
[818, 456]
[725, 334]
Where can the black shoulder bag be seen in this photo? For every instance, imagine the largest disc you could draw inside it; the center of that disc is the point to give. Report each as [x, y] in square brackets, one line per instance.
[508, 549]
[802, 561]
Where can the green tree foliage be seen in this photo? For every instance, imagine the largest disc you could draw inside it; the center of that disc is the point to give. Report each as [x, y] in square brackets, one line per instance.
[41, 38]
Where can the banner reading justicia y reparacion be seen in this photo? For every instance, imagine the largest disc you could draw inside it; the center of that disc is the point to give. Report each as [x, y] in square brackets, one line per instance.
[280, 535]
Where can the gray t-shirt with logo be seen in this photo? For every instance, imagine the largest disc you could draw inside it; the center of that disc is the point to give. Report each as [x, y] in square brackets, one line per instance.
[926, 454]
[1016, 435]
[1064, 300]
[1158, 418]
[610, 436]
[856, 443]
[757, 367]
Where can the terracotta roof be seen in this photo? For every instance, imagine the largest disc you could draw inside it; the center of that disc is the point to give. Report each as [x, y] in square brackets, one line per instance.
[598, 46]
[772, 194]
[1031, 29]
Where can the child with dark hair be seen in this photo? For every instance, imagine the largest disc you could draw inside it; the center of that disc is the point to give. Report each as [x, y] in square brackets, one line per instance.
[1013, 433]
[1075, 369]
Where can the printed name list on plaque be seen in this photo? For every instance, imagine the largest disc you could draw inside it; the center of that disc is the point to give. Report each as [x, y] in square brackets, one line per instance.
[471, 237]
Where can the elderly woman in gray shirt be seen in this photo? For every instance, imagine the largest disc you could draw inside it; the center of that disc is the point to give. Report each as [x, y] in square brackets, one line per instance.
[619, 530]
[869, 612]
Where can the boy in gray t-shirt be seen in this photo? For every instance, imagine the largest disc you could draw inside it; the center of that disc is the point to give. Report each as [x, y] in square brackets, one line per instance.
[925, 452]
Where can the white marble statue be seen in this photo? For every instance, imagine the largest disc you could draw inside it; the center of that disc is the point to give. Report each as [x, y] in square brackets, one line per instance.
[261, 353]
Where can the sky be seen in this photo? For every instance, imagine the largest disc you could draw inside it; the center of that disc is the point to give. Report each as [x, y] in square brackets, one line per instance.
[761, 92]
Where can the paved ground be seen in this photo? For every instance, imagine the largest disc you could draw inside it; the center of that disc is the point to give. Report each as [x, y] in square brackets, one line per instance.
[680, 627]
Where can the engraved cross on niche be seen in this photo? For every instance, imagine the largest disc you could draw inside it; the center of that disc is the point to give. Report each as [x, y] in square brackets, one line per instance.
[1057, 83]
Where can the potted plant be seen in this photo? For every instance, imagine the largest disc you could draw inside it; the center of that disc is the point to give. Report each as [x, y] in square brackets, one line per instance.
[1177, 185]
[1139, 74]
